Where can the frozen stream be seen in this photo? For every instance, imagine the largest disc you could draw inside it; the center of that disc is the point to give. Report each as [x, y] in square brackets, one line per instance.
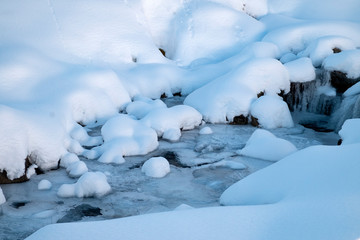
[193, 181]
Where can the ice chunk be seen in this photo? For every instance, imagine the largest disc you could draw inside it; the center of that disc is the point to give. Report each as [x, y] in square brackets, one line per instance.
[271, 112]
[265, 145]
[44, 185]
[91, 184]
[156, 167]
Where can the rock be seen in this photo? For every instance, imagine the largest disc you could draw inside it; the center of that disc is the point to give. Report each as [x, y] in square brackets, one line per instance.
[341, 82]
[240, 120]
[5, 180]
[300, 95]
[254, 121]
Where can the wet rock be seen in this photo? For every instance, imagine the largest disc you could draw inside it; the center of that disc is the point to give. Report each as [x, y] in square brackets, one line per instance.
[162, 52]
[341, 82]
[254, 121]
[240, 120]
[19, 204]
[300, 95]
[336, 50]
[173, 159]
[77, 213]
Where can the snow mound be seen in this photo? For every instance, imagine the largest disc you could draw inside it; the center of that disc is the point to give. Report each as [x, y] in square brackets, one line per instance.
[44, 185]
[205, 130]
[76, 169]
[2, 197]
[180, 117]
[156, 167]
[347, 62]
[350, 131]
[232, 94]
[124, 136]
[325, 46]
[196, 28]
[301, 70]
[91, 184]
[299, 36]
[142, 106]
[265, 145]
[28, 133]
[271, 112]
[67, 159]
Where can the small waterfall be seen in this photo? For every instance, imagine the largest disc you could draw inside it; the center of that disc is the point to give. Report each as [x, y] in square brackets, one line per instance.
[350, 108]
[316, 96]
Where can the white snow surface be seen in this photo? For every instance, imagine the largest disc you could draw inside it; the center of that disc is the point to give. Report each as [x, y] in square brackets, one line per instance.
[206, 130]
[142, 106]
[156, 167]
[265, 145]
[91, 184]
[301, 70]
[355, 89]
[271, 112]
[347, 62]
[350, 130]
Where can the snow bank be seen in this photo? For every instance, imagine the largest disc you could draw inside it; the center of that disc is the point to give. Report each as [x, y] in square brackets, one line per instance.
[232, 94]
[142, 106]
[123, 136]
[156, 167]
[271, 112]
[264, 145]
[91, 184]
[347, 62]
[180, 117]
[44, 185]
[301, 70]
[350, 131]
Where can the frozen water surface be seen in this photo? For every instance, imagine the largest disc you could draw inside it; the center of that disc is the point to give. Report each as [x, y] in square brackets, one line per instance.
[195, 179]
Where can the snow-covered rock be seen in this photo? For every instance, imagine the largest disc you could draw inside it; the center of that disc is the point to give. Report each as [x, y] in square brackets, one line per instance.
[156, 167]
[265, 145]
[271, 112]
[179, 117]
[142, 106]
[76, 169]
[124, 136]
[91, 184]
[301, 70]
[44, 185]
[232, 94]
[347, 62]
[350, 131]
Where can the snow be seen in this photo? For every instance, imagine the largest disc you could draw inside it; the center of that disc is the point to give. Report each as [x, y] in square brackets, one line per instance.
[156, 167]
[232, 94]
[354, 90]
[350, 130]
[323, 47]
[142, 106]
[172, 134]
[44, 185]
[271, 112]
[205, 130]
[123, 136]
[180, 117]
[91, 184]
[76, 169]
[346, 61]
[265, 145]
[301, 70]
